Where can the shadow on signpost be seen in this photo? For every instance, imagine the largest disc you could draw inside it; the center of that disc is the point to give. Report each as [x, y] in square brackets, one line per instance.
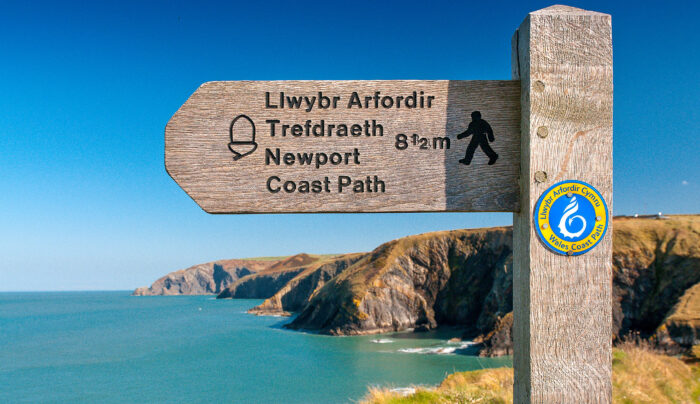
[483, 158]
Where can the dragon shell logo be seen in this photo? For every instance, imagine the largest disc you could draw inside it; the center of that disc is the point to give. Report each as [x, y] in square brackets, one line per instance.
[567, 218]
[571, 217]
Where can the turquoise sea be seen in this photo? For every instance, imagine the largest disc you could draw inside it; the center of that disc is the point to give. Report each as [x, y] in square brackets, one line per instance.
[109, 347]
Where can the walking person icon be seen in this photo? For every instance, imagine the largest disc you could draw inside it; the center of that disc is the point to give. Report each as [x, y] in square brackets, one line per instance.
[482, 134]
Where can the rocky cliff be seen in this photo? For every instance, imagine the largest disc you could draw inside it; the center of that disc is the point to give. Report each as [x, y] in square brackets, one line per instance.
[681, 328]
[297, 292]
[416, 282]
[463, 278]
[655, 262]
[266, 283]
[204, 279]
[656, 289]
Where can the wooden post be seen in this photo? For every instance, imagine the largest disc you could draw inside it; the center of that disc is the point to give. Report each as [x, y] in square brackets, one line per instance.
[562, 304]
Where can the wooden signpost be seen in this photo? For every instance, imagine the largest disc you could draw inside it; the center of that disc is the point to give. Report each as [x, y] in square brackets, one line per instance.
[346, 146]
[539, 145]
[562, 305]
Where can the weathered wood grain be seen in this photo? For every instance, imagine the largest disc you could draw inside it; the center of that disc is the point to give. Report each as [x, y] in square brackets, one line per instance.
[198, 159]
[562, 305]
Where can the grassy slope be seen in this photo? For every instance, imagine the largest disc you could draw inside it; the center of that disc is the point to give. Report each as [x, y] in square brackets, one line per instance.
[632, 234]
[281, 265]
[281, 257]
[282, 271]
[670, 249]
[639, 376]
[687, 311]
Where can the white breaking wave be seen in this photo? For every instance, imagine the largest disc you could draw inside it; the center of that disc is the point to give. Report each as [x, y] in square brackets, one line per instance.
[440, 350]
[404, 391]
[382, 341]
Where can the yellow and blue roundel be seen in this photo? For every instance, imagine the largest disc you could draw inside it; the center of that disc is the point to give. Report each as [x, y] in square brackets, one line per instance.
[571, 217]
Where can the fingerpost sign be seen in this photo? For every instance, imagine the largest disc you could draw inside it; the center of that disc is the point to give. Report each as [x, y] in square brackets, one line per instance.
[539, 145]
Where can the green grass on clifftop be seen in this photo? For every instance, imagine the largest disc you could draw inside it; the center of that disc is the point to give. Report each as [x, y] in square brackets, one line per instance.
[639, 376]
[281, 257]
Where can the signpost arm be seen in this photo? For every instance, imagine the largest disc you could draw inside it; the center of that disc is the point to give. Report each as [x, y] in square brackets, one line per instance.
[562, 304]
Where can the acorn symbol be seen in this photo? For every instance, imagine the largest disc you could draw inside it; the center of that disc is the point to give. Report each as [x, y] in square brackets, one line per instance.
[242, 134]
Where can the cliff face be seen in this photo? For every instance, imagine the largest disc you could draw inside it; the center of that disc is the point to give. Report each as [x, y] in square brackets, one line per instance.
[464, 278]
[258, 286]
[414, 282]
[266, 283]
[498, 341]
[296, 293]
[681, 328]
[655, 262]
[203, 279]
[656, 289]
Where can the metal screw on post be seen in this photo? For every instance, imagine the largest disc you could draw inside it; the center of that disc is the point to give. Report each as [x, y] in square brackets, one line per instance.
[540, 176]
[539, 86]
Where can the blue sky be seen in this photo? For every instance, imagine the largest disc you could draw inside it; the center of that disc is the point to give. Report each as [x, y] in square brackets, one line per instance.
[87, 88]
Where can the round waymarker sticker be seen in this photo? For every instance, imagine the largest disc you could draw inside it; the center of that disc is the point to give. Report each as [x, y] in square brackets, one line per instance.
[571, 217]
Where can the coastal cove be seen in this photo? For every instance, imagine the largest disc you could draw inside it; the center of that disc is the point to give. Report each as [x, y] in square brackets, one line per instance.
[112, 347]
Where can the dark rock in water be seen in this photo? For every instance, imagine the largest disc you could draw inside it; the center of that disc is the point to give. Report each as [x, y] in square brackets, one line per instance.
[422, 328]
[499, 341]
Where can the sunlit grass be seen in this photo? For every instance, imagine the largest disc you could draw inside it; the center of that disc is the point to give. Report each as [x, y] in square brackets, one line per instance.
[639, 376]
